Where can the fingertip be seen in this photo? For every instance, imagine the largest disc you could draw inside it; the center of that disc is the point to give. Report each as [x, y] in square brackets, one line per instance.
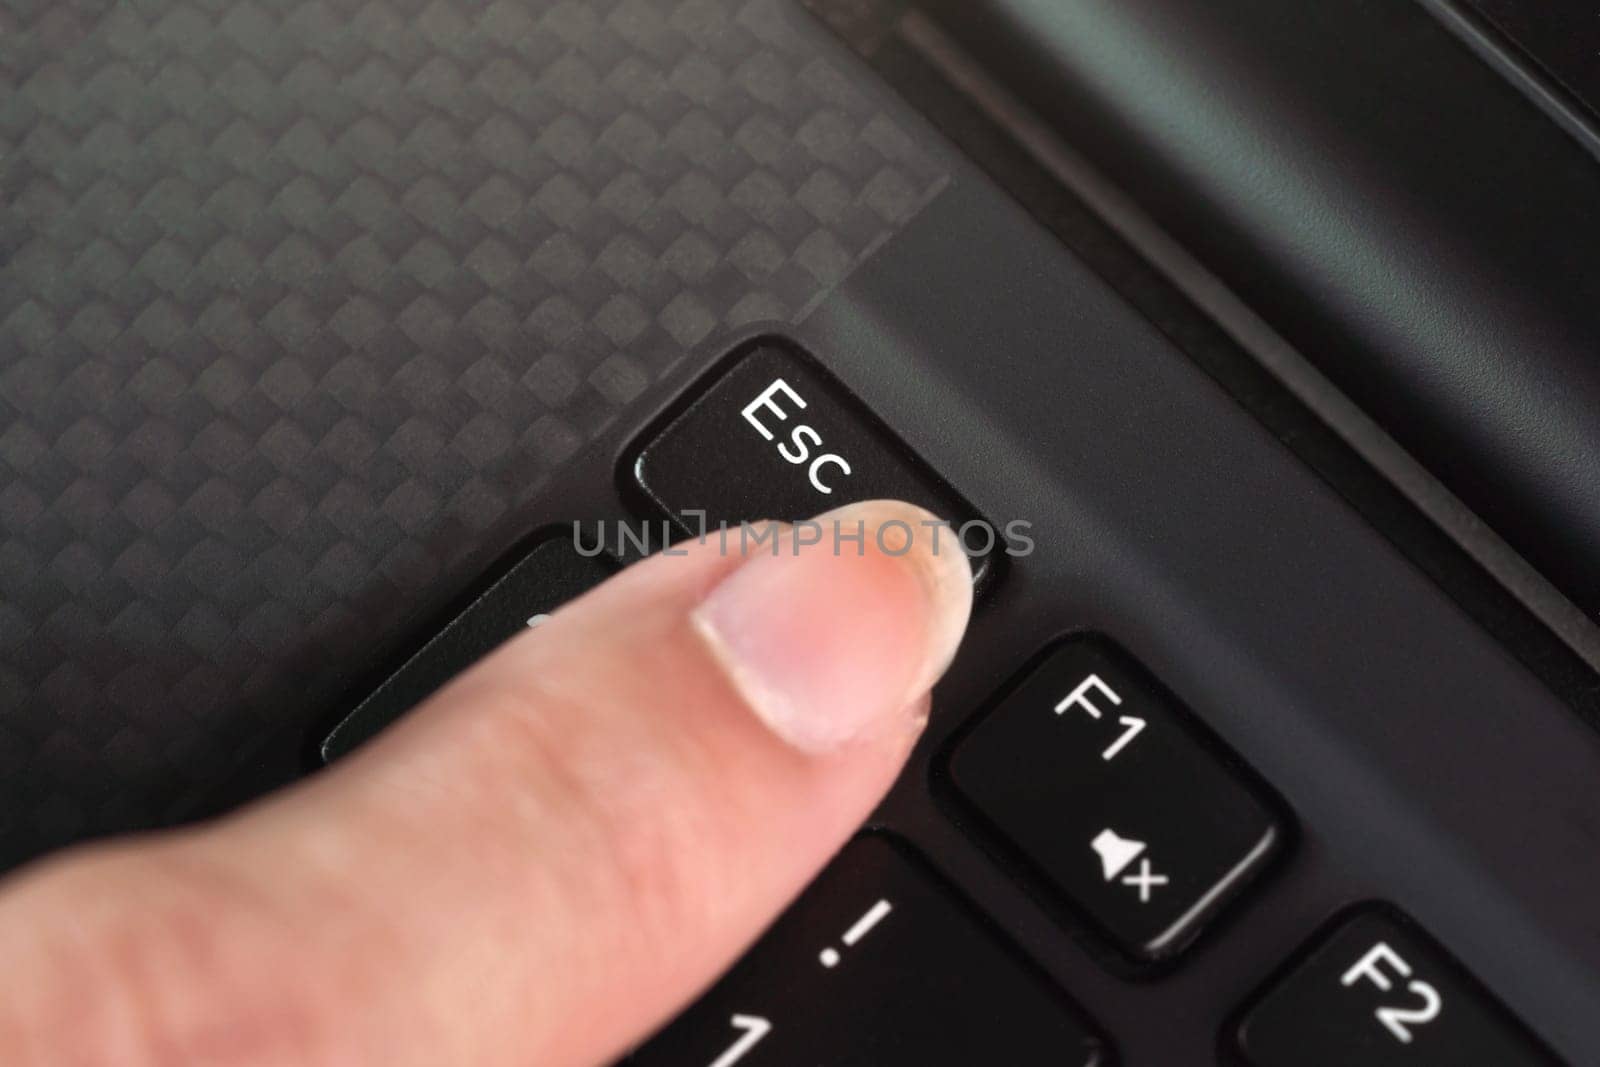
[833, 637]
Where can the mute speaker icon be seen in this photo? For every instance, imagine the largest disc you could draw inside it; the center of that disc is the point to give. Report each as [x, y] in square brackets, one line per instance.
[1115, 852]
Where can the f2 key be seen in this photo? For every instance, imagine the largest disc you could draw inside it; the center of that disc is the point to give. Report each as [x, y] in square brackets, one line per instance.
[1375, 990]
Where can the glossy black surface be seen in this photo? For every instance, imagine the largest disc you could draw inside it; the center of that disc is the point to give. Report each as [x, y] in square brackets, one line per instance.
[1562, 36]
[1385, 200]
[879, 963]
[1375, 990]
[1100, 781]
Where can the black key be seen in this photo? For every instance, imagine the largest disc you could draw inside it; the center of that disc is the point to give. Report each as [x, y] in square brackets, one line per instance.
[549, 576]
[878, 963]
[1376, 990]
[1094, 778]
[777, 437]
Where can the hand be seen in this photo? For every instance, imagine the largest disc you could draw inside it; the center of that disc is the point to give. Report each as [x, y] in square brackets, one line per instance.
[541, 864]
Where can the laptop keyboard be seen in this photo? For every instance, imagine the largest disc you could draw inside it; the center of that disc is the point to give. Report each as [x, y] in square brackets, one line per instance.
[287, 368]
[1085, 779]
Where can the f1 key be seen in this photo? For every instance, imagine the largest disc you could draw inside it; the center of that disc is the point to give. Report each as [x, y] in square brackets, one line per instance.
[1098, 782]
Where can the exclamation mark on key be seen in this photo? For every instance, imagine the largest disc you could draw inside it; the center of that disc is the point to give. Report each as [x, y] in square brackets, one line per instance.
[859, 929]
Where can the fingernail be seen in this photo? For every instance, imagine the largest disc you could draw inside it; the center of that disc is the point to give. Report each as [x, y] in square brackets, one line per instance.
[833, 637]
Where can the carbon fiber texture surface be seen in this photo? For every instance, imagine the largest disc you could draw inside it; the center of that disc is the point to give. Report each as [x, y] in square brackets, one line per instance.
[301, 299]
